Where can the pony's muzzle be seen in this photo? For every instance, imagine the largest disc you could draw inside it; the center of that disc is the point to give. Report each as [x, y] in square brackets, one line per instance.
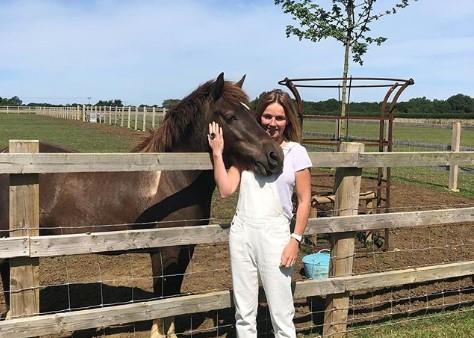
[274, 159]
[275, 162]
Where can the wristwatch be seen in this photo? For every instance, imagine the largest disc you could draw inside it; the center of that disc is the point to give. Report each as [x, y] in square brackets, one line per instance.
[297, 237]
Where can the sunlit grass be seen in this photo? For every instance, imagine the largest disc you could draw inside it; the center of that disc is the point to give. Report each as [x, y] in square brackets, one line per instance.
[401, 132]
[84, 137]
[446, 325]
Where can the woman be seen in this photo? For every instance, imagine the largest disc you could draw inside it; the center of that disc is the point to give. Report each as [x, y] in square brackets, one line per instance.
[260, 241]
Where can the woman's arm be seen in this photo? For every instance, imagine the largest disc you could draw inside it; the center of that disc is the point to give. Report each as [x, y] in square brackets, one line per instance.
[303, 193]
[227, 181]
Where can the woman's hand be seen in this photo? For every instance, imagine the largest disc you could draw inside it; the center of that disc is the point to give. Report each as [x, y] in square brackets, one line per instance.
[215, 139]
[290, 253]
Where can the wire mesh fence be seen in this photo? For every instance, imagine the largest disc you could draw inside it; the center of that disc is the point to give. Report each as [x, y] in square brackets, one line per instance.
[93, 281]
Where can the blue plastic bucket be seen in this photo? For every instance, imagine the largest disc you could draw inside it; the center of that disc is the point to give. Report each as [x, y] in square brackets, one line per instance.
[316, 265]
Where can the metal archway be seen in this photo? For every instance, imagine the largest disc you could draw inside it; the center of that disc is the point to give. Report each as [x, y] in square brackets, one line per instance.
[395, 88]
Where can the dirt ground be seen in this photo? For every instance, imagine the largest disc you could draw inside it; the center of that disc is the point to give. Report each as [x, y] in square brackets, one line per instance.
[94, 280]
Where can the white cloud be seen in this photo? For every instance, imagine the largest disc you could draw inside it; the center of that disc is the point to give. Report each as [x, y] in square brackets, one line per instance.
[147, 51]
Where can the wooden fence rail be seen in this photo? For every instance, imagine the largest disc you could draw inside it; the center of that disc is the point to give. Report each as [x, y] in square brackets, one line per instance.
[342, 227]
[106, 162]
[96, 242]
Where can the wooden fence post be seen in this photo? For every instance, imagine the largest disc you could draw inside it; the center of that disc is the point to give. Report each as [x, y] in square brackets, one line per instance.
[347, 190]
[455, 146]
[153, 117]
[129, 113]
[136, 118]
[24, 221]
[144, 118]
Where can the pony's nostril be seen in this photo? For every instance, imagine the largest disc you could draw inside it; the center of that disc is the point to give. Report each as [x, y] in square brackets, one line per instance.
[273, 158]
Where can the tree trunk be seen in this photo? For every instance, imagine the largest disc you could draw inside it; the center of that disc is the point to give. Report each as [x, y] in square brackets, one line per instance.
[343, 123]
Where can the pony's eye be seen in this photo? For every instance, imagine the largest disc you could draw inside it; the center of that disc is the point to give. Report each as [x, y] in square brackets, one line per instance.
[229, 117]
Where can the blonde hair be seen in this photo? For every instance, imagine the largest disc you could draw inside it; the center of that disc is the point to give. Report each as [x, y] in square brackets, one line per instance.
[293, 128]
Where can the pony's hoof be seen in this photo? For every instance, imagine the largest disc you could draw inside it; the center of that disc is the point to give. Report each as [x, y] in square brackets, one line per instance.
[163, 328]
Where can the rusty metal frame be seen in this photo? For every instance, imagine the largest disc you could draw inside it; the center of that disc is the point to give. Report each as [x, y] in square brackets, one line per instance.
[387, 110]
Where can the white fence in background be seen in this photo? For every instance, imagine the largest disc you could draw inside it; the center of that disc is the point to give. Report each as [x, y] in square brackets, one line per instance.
[138, 118]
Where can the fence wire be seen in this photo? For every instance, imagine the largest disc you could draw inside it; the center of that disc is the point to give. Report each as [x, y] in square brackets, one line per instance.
[95, 281]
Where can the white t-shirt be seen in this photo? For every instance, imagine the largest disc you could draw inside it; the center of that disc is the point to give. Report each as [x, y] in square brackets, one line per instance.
[296, 159]
[267, 196]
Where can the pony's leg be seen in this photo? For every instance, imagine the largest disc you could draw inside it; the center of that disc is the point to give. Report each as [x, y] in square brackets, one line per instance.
[163, 327]
[168, 266]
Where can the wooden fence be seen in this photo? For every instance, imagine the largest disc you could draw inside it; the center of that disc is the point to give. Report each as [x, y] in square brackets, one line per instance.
[454, 146]
[138, 118]
[25, 249]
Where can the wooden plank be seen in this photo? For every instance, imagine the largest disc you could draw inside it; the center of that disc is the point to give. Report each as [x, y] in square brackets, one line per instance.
[24, 221]
[44, 246]
[414, 159]
[347, 191]
[106, 162]
[368, 195]
[393, 159]
[324, 287]
[63, 323]
[11, 247]
[329, 225]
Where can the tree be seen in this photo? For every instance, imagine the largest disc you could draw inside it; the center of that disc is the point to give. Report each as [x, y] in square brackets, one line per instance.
[170, 103]
[347, 21]
[13, 101]
[461, 103]
[113, 103]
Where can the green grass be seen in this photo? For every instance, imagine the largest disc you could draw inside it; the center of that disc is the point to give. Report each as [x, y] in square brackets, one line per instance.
[89, 137]
[418, 134]
[75, 134]
[432, 178]
[445, 325]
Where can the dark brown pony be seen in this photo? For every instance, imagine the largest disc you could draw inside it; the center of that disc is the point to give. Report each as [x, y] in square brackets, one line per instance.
[162, 199]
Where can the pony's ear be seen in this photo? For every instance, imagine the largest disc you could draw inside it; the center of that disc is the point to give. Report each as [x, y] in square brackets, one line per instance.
[241, 81]
[218, 87]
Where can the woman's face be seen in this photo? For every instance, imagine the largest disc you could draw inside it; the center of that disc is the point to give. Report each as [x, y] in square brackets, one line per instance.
[273, 120]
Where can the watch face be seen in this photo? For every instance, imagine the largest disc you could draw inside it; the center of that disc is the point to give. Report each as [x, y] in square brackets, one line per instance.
[297, 237]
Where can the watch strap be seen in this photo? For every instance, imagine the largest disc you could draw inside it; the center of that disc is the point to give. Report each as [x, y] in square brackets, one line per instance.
[297, 237]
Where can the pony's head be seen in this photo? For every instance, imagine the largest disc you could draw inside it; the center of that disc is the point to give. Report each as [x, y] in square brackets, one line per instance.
[185, 128]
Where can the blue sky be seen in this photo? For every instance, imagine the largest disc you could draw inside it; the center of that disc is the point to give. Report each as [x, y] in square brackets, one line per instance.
[147, 51]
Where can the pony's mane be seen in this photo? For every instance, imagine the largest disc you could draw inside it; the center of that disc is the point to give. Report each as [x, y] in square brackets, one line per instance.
[178, 119]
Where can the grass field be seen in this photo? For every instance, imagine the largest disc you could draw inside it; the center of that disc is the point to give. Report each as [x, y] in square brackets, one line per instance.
[435, 178]
[89, 137]
[103, 138]
[444, 325]
[84, 137]
[401, 132]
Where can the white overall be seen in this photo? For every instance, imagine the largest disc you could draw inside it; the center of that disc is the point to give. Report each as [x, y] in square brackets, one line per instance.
[258, 234]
